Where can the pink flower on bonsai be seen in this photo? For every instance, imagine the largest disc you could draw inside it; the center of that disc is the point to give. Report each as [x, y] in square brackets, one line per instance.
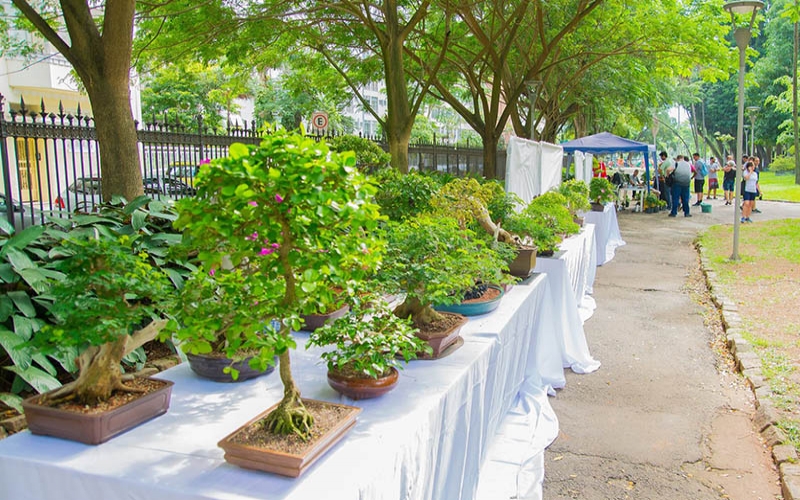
[266, 251]
[205, 161]
[252, 203]
[279, 198]
[252, 237]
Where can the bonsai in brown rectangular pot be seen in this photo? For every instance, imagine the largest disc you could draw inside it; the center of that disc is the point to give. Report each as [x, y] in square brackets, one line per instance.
[108, 303]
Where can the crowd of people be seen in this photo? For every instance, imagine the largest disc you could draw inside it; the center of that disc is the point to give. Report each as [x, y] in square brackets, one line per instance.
[677, 177]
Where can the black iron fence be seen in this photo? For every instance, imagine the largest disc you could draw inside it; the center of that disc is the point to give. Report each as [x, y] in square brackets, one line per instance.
[51, 160]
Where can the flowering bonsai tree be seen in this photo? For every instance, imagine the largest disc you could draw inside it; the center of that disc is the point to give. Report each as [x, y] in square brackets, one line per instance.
[272, 223]
[601, 190]
[577, 194]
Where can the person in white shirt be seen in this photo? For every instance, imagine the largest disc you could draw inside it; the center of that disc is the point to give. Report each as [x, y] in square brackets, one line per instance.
[680, 185]
[713, 181]
[750, 190]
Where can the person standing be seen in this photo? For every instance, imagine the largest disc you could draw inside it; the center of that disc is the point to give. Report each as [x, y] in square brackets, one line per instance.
[680, 186]
[666, 194]
[757, 167]
[700, 172]
[713, 181]
[750, 190]
[729, 180]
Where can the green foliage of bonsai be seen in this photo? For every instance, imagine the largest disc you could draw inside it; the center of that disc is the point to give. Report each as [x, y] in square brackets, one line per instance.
[550, 210]
[273, 224]
[533, 232]
[404, 195]
[466, 200]
[369, 156]
[601, 190]
[28, 270]
[431, 259]
[369, 341]
[577, 194]
[108, 303]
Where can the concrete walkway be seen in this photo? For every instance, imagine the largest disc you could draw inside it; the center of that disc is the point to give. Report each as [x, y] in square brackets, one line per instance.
[664, 418]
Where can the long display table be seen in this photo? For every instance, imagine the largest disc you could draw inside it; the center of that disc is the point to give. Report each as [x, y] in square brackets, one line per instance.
[607, 235]
[424, 440]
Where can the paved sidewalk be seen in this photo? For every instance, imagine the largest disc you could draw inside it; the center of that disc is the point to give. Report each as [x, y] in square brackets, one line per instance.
[663, 418]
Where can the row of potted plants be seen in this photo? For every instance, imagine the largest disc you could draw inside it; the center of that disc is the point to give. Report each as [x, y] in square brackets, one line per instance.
[276, 233]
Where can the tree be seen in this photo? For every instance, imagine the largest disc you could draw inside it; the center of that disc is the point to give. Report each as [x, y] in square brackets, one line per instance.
[99, 47]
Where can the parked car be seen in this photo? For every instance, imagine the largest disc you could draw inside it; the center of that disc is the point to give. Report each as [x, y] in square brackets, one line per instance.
[167, 187]
[83, 195]
[183, 172]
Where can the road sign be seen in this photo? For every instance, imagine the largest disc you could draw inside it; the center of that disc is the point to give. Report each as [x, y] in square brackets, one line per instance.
[320, 120]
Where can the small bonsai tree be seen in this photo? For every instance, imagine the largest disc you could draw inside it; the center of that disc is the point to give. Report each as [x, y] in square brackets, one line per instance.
[108, 303]
[405, 195]
[576, 193]
[369, 341]
[432, 260]
[601, 190]
[272, 223]
[533, 233]
[550, 210]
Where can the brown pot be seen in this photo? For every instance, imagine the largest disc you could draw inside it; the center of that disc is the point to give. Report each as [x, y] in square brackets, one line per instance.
[362, 387]
[440, 341]
[212, 368]
[598, 207]
[578, 220]
[95, 428]
[314, 321]
[524, 263]
[285, 464]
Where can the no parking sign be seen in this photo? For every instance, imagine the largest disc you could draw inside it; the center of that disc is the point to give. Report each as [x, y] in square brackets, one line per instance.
[320, 120]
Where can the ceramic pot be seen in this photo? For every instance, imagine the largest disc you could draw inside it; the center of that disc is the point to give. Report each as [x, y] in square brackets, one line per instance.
[524, 263]
[441, 341]
[212, 368]
[314, 321]
[95, 428]
[598, 207]
[474, 308]
[254, 457]
[362, 387]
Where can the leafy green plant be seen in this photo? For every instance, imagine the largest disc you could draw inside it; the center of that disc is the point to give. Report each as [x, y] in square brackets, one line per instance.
[430, 259]
[28, 270]
[404, 195]
[782, 164]
[369, 341]
[109, 302]
[601, 190]
[550, 210]
[576, 193]
[370, 157]
[272, 224]
[533, 233]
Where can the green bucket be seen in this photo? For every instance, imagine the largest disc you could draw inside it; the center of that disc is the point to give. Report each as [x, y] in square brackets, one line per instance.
[706, 207]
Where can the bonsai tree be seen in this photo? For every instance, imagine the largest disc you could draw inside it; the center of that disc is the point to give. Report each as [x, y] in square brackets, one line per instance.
[405, 195]
[533, 233]
[108, 302]
[368, 342]
[550, 210]
[432, 260]
[273, 223]
[601, 190]
[576, 193]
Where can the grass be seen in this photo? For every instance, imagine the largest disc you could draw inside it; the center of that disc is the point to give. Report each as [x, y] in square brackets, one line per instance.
[779, 187]
[769, 320]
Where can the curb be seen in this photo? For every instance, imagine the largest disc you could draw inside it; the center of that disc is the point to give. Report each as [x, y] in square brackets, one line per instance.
[749, 364]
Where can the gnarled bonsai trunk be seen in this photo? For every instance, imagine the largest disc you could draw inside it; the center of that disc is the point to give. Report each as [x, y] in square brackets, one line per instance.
[291, 415]
[420, 314]
[99, 372]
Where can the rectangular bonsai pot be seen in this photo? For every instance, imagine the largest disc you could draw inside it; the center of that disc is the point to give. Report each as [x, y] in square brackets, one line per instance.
[524, 263]
[99, 427]
[285, 464]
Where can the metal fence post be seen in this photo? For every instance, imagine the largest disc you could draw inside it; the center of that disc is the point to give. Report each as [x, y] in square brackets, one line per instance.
[6, 167]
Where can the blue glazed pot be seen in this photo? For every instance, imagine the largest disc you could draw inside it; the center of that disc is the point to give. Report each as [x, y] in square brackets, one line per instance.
[474, 308]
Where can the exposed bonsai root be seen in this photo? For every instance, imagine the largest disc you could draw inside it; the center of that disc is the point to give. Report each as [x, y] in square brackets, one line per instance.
[119, 386]
[420, 314]
[290, 417]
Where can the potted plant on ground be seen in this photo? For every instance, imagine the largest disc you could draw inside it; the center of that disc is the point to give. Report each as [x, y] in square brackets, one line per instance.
[272, 223]
[109, 302]
[366, 348]
[651, 203]
[434, 261]
[601, 191]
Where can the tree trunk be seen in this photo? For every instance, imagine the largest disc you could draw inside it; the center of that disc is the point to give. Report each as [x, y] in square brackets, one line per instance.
[490, 141]
[117, 139]
[101, 373]
[399, 115]
[421, 315]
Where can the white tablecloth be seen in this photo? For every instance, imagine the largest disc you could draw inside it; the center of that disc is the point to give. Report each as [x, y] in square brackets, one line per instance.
[607, 235]
[574, 266]
[424, 440]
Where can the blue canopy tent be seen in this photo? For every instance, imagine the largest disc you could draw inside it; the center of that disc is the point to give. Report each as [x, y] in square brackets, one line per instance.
[607, 143]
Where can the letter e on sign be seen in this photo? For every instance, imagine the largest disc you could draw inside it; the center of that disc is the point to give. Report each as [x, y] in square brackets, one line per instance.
[320, 120]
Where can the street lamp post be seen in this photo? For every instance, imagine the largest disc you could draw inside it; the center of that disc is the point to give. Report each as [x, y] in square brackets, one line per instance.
[742, 36]
[752, 111]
